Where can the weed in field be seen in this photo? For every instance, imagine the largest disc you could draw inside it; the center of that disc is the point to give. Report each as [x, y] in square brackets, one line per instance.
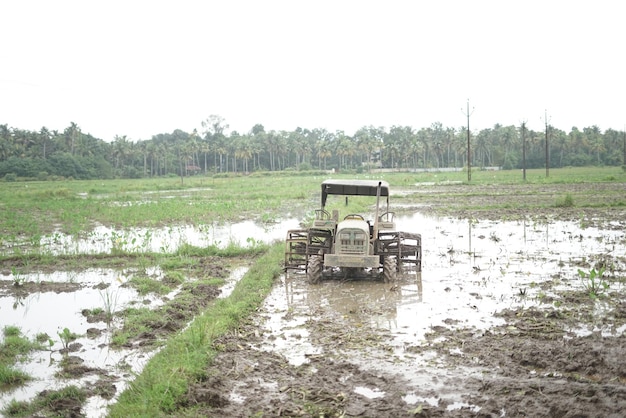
[144, 262]
[118, 242]
[18, 278]
[594, 282]
[11, 377]
[109, 300]
[583, 222]
[11, 331]
[565, 202]
[146, 285]
[67, 337]
[13, 347]
[200, 333]
[267, 218]
[254, 243]
[147, 238]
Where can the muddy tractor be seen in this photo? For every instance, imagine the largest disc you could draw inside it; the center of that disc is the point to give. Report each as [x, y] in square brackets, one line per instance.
[344, 247]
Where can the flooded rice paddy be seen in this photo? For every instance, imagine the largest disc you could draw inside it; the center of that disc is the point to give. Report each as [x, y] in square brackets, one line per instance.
[472, 271]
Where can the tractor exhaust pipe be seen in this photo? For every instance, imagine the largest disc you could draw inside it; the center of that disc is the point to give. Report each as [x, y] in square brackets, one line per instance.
[375, 232]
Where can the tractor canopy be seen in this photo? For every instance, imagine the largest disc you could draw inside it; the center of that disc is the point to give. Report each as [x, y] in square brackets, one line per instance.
[354, 188]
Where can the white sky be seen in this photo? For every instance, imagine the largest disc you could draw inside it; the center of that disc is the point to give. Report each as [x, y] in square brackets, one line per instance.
[139, 68]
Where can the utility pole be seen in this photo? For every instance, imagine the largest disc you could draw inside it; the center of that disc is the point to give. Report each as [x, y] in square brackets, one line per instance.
[524, 149]
[547, 146]
[469, 158]
[624, 145]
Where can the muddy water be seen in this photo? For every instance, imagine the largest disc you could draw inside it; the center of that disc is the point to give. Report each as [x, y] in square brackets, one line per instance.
[471, 270]
[49, 312]
[104, 239]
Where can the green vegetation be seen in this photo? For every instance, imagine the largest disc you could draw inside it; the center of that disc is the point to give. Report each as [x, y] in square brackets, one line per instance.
[565, 202]
[594, 282]
[38, 209]
[14, 347]
[183, 361]
[67, 337]
[71, 154]
[35, 209]
[47, 403]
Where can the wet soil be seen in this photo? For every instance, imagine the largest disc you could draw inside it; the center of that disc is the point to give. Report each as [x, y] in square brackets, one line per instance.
[191, 299]
[529, 366]
[533, 362]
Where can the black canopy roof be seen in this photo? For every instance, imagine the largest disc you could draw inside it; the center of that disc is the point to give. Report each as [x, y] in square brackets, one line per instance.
[353, 188]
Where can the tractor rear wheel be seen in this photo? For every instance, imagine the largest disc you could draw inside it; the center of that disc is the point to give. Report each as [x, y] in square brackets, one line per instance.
[314, 268]
[390, 269]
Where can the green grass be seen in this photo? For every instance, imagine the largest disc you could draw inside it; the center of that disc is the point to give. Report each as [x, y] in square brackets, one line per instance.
[44, 403]
[158, 390]
[14, 347]
[12, 377]
[33, 209]
[533, 176]
[147, 285]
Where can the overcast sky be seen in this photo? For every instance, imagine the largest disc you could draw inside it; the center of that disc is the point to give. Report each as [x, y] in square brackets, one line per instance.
[139, 68]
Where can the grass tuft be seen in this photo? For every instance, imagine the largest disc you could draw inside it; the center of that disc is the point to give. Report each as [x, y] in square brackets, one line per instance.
[160, 388]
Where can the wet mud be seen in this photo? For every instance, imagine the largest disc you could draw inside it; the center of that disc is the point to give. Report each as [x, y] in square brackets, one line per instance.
[534, 363]
[515, 313]
[505, 320]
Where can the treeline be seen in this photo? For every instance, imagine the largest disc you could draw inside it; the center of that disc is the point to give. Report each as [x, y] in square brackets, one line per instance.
[46, 154]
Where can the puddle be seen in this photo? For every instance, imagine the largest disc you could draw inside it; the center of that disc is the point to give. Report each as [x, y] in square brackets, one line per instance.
[369, 393]
[49, 312]
[471, 270]
[103, 239]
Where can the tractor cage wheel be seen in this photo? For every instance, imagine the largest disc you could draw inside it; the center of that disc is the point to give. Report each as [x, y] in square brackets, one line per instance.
[301, 244]
[405, 246]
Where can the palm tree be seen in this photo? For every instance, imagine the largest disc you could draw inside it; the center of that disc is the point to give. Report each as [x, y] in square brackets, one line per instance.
[72, 134]
[596, 141]
[213, 131]
[121, 149]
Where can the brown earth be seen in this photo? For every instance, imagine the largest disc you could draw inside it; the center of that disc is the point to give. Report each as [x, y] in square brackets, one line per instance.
[533, 365]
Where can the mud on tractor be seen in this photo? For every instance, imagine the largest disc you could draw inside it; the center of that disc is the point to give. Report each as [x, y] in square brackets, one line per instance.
[353, 243]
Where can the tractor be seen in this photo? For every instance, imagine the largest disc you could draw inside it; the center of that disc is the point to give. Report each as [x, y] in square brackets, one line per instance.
[352, 243]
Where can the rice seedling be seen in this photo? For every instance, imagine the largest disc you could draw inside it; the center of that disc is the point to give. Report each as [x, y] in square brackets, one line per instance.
[109, 299]
[18, 278]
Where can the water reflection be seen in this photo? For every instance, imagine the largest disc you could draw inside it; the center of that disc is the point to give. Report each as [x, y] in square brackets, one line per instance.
[48, 310]
[471, 270]
[103, 239]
